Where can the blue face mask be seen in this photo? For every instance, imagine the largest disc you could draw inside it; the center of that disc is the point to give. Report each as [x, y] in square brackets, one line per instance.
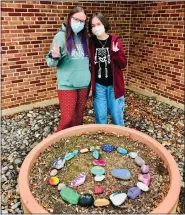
[77, 26]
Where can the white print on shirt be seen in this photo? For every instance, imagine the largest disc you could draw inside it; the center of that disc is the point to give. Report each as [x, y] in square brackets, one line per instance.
[78, 52]
[102, 56]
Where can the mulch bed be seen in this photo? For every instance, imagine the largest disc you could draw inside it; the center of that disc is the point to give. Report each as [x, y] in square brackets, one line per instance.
[49, 197]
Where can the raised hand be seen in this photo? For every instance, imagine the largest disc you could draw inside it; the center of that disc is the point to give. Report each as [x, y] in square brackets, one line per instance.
[115, 47]
[55, 51]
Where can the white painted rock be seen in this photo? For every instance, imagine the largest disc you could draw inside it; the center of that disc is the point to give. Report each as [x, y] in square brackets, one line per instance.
[143, 186]
[118, 199]
[133, 154]
[61, 186]
[53, 172]
[99, 177]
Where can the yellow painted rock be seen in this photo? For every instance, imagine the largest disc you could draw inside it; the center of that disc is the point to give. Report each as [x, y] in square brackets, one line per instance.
[101, 202]
[84, 150]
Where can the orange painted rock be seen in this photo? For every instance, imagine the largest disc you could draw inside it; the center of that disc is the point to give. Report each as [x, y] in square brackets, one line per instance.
[101, 202]
[53, 180]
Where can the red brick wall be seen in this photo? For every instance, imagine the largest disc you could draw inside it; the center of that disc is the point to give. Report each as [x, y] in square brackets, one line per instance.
[29, 26]
[157, 48]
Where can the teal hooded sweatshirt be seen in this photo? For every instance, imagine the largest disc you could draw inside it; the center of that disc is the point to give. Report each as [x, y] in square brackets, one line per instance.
[72, 70]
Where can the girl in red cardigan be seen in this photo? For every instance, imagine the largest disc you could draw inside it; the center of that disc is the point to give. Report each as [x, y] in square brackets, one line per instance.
[107, 61]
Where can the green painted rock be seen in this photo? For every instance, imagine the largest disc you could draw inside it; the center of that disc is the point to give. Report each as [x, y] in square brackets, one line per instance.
[69, 195]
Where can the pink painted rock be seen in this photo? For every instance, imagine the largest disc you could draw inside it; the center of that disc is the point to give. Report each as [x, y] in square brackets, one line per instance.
[98, 190]
[80, 179]
[99, 162]
[145, 178]
[145, 169]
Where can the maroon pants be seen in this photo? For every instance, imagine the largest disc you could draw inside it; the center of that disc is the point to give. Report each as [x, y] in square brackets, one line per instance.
[72, 106]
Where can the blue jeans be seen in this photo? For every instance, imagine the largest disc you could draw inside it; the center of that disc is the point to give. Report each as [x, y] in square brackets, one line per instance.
[104, 99]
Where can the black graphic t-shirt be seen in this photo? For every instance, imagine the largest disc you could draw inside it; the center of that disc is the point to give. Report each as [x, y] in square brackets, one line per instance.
[102, 62]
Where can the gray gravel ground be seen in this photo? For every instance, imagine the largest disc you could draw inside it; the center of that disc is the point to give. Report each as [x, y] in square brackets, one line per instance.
[22, 131]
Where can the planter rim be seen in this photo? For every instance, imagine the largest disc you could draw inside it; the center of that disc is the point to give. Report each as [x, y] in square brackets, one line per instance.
[30, 202]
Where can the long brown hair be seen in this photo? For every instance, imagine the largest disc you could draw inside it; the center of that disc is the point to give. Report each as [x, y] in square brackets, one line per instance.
[70, 44]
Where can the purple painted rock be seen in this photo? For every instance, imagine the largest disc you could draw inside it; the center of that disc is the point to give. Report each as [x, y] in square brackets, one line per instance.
[99, 162]
[80, 179]
[134, 192]
[139, 161]
[145, 178]
[145, 169]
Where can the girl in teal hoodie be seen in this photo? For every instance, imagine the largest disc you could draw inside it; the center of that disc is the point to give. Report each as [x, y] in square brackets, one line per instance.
[69, 54]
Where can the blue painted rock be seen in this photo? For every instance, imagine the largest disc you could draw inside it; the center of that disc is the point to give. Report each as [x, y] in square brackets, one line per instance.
[86, 200]
[118, 199]
[142, 186]
[122, 151]
[145, 178]
[80, 179]
[97, 170]
[139, 161]
[107, 148]
[145, 169]
[96, 154]
[68, 156]
[58, 163]
[133, 154]
[75, 152]
[134, 192]
[121, 173]
[70, 195]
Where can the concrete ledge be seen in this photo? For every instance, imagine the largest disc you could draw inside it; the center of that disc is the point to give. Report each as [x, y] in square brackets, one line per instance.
[21, 108]
[158, 97]
[11, 111]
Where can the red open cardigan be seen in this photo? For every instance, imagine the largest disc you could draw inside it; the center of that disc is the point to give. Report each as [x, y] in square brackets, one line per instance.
[118, 62]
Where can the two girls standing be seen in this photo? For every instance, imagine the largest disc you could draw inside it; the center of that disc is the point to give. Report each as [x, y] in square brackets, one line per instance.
[70, 53]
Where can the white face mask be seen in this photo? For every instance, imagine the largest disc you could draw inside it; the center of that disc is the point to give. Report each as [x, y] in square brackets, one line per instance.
[98, 30]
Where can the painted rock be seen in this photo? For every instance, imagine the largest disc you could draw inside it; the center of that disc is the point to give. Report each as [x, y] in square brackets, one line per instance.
[58, 163]
[118, 199]
[122, 151]
[99, 177]
[96, 154]
[86, 200]
[133, 154]
[92, 148]
[139, 161]
[101, 202]
[142, 186]
[97, 170]
[99, 162]
[84, 150]
[145, 169]
[107, 148]
[80, 179]
[98, 190]
[70, 195]
[61, 186]
[53, 180]
[68, 156]
[121, 173]
[134, 192]
[75, 152]
[145, 178]
[53, 172]
[98, 147]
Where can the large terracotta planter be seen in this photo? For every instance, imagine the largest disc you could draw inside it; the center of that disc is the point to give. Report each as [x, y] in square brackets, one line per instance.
[168, 205]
